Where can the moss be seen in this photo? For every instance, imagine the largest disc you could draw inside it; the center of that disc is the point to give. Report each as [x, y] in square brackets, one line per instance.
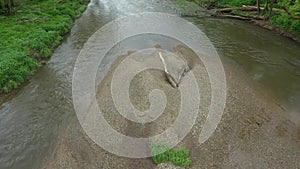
[31, 34]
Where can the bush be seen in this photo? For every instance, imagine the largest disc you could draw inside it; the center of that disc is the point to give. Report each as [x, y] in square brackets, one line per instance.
[283, 21]
[162, 153]
[235, 3]
[14, 68]
[41, 39]
[295, 27]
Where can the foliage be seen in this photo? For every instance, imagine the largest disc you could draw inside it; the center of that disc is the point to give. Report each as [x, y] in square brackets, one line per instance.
[235, 3]
[6, 6]
[31, 34]
[289, 18]
[162, 153]
[14, 68]
[291, 7]
[283, 21]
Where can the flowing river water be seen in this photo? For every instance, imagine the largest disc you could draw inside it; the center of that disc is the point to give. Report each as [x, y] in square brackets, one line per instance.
[32, 121]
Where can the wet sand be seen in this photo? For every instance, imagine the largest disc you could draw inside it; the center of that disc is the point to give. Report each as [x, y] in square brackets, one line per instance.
[256, 131]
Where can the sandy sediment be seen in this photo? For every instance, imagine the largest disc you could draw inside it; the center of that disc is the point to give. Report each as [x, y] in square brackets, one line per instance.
[255, 130]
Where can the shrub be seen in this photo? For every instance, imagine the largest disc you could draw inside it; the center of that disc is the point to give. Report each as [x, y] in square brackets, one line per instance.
[295, 27]
[281, 21]
[162, 153]
[235, 3]
[14, 68]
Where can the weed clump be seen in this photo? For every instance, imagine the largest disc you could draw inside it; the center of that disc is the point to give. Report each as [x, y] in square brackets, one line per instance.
[162, 153]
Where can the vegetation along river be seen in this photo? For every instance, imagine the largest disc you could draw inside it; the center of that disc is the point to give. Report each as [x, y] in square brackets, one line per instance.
[39, 124]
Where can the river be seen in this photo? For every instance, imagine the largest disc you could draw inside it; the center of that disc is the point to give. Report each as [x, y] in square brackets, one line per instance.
[32, 120]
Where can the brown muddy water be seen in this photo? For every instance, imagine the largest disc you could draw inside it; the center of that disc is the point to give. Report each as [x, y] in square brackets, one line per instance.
[38, 123]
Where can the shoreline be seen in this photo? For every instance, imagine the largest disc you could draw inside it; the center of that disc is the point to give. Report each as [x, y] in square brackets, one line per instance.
[246, 12]
[258, 22]
[263, 24]
[36, 56]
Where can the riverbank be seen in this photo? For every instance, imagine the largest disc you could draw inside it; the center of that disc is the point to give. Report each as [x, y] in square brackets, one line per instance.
[281, 19]
[256, 20]
[30, 35]
[259, 21]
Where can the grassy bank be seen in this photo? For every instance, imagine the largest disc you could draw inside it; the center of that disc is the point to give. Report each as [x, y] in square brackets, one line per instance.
[30, 33]
[283, 14]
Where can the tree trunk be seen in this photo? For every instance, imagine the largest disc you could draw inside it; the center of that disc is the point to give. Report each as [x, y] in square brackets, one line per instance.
[9, 7]
[267, 4]
[258, 6]
[271, 6]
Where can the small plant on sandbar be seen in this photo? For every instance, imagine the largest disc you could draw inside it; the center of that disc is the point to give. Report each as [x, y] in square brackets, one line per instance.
[162, 153]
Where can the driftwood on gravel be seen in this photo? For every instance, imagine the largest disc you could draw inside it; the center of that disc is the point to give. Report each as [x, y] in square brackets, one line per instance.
[170, 78]
[174, 83]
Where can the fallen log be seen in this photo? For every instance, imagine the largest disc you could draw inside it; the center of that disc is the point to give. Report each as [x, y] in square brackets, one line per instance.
[273, 9]
[174, 81]
[244, 8]
[234, 17]
[170, 78]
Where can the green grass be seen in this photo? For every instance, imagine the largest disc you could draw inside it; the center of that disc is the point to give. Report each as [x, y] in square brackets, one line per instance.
[30, 35]
[162, 153]
[235, 3]
[284, 22]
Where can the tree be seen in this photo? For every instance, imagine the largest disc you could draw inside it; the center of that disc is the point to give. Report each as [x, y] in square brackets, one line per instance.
[271, 6]
[291, 8]
[258, 6]
[267, 6]
[6, 6]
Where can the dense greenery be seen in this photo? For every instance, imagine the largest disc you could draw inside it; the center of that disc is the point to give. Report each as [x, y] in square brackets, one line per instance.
[289, 18]
[284, 14]
[162, 153]
[29, 33]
